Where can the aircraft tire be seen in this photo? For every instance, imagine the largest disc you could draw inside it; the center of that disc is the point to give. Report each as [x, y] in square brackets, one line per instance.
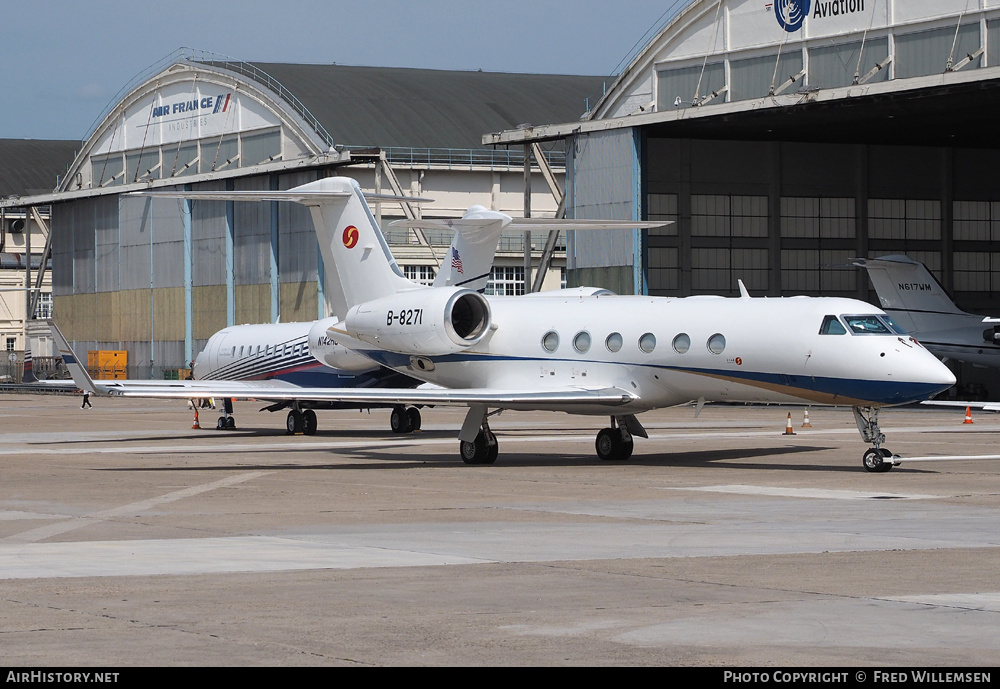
[230, 423]
[609, 445]
[413, 414]
[293, 422]
[483, 450]
[399, 420]
[874, 460]
[309, 422]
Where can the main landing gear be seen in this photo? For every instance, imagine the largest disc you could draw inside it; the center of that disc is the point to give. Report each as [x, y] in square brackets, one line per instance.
[877, 458]
[226, 422]
[404, 419]
[613, 444]
[301, 422]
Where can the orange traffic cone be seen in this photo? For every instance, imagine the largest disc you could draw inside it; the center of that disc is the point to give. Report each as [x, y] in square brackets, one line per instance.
[196, 424]
[805, 420]
[968, 415]
[788, 426]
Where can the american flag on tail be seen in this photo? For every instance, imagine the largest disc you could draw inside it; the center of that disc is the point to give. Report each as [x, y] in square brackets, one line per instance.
[456, 260]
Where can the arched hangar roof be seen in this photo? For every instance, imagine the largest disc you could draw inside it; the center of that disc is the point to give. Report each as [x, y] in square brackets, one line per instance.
[883, 71]
[199, 120]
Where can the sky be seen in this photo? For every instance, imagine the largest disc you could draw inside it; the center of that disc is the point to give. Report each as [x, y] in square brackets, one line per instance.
[63, 62]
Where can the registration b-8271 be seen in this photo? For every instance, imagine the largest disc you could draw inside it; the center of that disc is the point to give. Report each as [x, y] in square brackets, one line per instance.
[405, 317]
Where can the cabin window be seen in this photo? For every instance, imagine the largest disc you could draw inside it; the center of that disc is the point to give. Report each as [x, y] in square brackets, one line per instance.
[550, 341]
[241, 350]
[867, 325]
[682, 343]
[832, 326]
[581, 342]
[717, 343]
[614, 342]
[647, 342]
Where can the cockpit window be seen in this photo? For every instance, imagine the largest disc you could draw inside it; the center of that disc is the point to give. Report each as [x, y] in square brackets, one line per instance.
[894, 326]
[832, 326]
[867, 325]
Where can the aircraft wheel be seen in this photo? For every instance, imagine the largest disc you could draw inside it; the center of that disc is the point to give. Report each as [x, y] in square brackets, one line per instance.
[399, 420]
[627, 448]
[610, 446]
[413, 414]
[492, 446]
[293, 422]
[483, 450]
[874, 460]
[309, 422]
[220, 424]
[230, 423]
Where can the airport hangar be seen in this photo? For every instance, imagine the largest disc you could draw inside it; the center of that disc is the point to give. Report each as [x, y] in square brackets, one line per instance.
[786, 138]
[156, 278]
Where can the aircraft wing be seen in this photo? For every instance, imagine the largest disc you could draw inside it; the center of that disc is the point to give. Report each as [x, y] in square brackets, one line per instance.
[985, 406]
[281, 391]
[276, 390]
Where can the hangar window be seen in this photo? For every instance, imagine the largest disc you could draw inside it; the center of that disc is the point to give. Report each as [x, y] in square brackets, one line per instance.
[717, 270]
[614, 342]
[927, 52]
[835, 65]
[506, 281]
[977, 271]
[904, 219]
[220, 154]
[107, 170]
[262, 147]
[755, 77]
[678, 88]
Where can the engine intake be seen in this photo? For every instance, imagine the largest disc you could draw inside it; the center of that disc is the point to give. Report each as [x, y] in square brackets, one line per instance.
[428, 322]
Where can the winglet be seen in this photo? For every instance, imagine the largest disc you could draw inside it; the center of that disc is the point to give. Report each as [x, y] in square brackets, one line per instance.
[81, 378]
[744, 294]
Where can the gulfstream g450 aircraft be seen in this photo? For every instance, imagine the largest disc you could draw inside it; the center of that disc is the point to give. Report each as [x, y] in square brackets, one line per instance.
[592, 353]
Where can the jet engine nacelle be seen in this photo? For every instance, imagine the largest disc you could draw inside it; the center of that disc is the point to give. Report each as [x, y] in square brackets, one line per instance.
[329, 352]
[428, 322]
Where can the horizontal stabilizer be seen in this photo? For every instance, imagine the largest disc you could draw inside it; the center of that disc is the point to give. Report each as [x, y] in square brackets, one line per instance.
[307, 198]
[524, 224]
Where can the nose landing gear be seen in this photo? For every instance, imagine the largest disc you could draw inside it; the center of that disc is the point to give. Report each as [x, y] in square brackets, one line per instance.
[876, 459]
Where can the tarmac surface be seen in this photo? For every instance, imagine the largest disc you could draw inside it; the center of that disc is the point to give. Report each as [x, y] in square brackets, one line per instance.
[127, 538]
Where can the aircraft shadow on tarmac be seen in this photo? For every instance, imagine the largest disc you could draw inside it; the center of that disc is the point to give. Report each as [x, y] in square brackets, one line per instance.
[380, 460]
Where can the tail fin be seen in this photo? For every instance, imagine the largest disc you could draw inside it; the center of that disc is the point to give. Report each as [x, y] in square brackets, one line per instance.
[907, 290]
[355, 254]
[470, 257]
[81, 378]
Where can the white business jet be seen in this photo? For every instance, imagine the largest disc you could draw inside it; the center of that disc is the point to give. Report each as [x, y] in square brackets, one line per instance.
[591, 353]
[916, 300]
[260, 361]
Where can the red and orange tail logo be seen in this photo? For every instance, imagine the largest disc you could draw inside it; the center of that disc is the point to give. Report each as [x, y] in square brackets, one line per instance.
[350, 236]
